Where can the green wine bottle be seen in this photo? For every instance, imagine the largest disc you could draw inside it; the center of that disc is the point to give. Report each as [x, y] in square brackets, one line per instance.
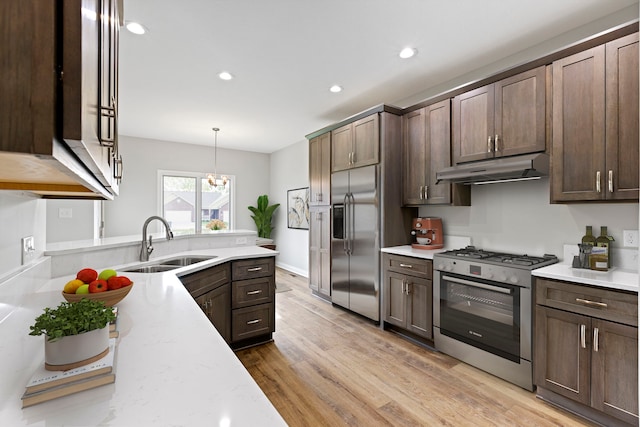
[588, 238]
[603, 241]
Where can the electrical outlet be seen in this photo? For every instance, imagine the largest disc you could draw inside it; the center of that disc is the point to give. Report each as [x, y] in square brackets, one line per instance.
[65, 213]
[28, 249]
[630, 238]
[241, 240]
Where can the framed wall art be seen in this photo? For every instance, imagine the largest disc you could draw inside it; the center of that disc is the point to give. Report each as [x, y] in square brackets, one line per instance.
[298, 208]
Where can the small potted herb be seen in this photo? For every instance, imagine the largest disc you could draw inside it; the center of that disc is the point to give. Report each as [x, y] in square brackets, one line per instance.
[76, 333]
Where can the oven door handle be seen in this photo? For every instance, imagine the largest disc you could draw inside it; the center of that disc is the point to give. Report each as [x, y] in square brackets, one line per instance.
[507, 291]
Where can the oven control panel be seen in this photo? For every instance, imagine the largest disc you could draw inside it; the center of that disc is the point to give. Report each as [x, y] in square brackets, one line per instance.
[494, 273]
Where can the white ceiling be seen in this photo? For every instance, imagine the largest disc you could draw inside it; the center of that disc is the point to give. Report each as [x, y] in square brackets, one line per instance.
[285, 54]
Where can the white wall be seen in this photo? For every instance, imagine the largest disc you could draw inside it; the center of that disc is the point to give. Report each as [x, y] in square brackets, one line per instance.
[621, 17]
[143, 158]
[81, 225]
[518, 217]
[290, 170]
[21, 216]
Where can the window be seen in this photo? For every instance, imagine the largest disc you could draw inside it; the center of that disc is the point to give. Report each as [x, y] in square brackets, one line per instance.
[192, 206]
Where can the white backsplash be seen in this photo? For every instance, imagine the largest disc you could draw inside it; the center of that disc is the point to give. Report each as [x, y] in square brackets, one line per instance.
[622, 258]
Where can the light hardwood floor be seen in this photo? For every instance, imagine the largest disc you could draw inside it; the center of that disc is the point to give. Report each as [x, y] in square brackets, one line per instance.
[328, 367]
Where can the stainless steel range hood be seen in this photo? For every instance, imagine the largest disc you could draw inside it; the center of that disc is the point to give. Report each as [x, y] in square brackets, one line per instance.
[516, 168]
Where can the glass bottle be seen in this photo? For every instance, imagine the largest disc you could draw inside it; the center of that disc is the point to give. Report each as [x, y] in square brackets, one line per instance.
[588, 238]
[603, 241]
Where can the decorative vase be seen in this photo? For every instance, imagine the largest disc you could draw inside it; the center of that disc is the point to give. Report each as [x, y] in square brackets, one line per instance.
[76, 350]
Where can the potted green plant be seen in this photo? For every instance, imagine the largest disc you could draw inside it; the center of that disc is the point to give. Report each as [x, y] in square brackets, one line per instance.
[262, 216]
[76, 333]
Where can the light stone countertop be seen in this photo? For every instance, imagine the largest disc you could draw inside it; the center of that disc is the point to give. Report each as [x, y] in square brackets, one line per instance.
[451, 242]
[616, 278]
[173, 368]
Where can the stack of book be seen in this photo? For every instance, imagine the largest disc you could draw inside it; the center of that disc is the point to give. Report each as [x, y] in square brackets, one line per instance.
[45, 385]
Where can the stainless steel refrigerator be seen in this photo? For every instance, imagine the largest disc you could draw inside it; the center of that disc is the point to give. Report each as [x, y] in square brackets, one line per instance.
[355, 242]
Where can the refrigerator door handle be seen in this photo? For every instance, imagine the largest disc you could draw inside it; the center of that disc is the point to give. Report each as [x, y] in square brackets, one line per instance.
[352, 223]
[345, 224]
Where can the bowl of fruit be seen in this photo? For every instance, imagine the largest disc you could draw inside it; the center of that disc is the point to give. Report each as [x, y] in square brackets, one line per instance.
[107, 286]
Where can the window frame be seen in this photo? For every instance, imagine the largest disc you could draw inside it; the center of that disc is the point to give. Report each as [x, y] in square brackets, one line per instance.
[198, 176]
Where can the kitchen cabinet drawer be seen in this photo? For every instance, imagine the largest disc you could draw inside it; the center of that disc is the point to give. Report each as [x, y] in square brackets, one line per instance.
[413, 266]
[203, 281]
[253, 268]
[614, 305]
[252, 292]
[252, 321]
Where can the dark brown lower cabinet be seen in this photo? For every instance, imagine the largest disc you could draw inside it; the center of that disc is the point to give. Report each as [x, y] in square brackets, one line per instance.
[238, 297]
[408, 296]
[253, 311]
[216, 304]
[211, 288]
[586, 357]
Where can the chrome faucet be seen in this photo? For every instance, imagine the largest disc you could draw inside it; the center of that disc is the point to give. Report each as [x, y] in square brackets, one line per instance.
[147, 247]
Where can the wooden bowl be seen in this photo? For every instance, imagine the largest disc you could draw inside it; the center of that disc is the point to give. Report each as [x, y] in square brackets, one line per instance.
[110, 298]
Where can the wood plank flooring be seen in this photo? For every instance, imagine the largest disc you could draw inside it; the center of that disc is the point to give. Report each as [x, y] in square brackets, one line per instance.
[329, 367]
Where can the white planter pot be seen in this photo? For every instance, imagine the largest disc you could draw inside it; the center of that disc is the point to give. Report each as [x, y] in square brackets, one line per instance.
[76, 348]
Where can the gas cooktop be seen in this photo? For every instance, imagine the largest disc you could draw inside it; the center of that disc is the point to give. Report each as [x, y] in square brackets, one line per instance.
[516, 260]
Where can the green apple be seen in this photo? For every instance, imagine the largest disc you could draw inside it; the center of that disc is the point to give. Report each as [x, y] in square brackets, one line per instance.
[84, 289]
[105, 274]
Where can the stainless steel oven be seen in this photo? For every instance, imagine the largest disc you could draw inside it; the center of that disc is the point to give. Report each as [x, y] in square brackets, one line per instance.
[483, 310]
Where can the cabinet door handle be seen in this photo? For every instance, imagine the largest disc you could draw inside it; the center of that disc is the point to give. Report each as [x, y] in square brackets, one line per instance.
[596, 336]
[254, 269]
[583, 336]
[598, 189]
[610, 181]
[406, 265]
[319, 197]
[253, 322]
[353, 158]
[407, 291]
[404, 284]
[426, 192]
[594, 303]
[259, 291]
[108, 112]
[495, 143]
[421, 193]
[118, 168]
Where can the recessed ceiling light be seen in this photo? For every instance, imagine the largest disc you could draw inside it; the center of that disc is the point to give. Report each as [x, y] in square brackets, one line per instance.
[407, 52]
[335, 88]
[135, 28]
[225, 75]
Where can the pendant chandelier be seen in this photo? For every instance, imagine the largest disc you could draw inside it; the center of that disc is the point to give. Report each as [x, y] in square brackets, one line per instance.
[213, 177]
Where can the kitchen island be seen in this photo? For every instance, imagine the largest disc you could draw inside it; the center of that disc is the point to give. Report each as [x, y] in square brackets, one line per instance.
[173, 367]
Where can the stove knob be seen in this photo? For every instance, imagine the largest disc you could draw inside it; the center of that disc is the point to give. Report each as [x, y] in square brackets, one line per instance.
[513, 279]
[502, 278]
[449, 267]
[489, 275]
[440, 267]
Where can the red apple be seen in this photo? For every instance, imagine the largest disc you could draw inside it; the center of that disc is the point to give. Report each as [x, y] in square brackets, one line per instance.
[114, 283]
[98, 286]
[87, 275]
[125, 281]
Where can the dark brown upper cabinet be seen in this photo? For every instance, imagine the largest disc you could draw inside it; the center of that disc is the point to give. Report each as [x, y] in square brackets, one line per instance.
[427, 149]
[356, 144]
[595, 124]
[60, 63]
[504, 118]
